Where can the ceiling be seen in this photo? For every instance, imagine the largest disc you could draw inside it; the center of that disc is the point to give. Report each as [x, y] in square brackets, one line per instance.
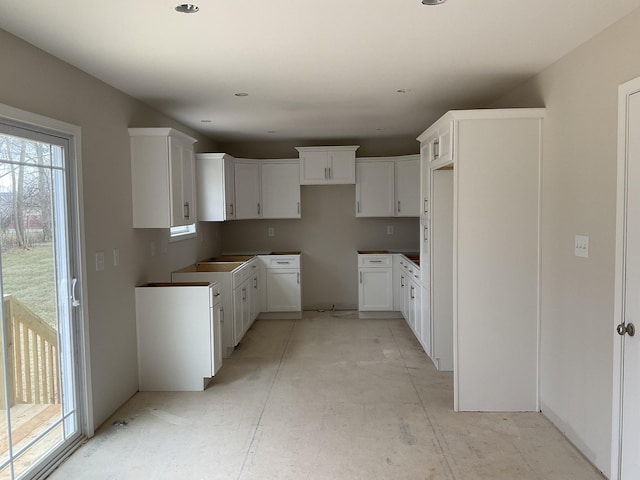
[312, 69]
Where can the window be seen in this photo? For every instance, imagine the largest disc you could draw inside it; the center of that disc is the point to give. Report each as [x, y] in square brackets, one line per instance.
[182, 232]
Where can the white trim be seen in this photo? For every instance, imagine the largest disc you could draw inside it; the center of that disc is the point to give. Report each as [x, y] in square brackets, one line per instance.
[624, 91]
[87, 426]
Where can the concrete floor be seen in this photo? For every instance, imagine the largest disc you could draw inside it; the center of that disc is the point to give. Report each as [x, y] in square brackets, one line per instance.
[323, 398]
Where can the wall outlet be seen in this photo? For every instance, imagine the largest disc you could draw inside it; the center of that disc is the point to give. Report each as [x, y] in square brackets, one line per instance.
[271, 232]
[581, 248]
[389, 229]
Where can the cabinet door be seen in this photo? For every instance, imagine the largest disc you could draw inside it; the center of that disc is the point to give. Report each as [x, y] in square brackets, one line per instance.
[254, 299]
[425, 335]
[216, 338]
[229, 189]
[416, 309]
[281, 190]
[283, 290]
[176, 184]
[189, 203]
[314, 168]
[424, 181]
[342, 167]
[375, 289]
[247, 183]
[375, 189]
[408, 188]
[406, 296]
[240, 312]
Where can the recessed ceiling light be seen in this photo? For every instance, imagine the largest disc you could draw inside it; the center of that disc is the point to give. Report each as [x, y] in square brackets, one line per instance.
[272, 131]
[379, 129]
[205, 121]
[241, 94]
[187, 8]
[433, 2]
[403, 90]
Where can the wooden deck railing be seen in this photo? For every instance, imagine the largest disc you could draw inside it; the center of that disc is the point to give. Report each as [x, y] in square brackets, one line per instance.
[32, 357]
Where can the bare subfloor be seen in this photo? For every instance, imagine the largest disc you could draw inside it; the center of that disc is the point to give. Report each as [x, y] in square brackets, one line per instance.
[323, 398]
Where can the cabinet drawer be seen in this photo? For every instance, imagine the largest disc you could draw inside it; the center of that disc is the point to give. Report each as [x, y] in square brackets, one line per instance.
[374, 260]
[283, 262]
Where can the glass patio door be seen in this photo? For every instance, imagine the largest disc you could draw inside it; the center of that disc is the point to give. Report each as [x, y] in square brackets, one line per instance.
[38, 369]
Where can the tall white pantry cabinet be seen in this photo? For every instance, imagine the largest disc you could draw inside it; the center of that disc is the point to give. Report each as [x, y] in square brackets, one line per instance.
[480, 253]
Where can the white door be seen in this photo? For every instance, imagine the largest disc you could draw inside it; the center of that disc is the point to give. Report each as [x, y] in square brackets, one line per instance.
[626, 432]
[247, 183]
[408, 188]
[280, 190]
[41, 323]
[375, 189]
[283, 290]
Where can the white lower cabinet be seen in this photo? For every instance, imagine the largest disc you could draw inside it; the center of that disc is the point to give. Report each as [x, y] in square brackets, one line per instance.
[283, 291]
[375, 282]
[179, 335]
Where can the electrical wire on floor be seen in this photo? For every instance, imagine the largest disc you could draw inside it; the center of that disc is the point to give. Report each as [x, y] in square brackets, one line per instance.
[344, 314]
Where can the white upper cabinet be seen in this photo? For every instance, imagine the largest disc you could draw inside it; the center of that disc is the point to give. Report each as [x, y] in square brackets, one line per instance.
[281, 189]
[407, 189]
[327, 165]
[216, 187]
[375, 188]
[247, 184]
[388, 186]
[162, 178]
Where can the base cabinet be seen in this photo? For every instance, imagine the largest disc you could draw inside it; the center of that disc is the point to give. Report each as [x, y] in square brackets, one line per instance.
[179, 336]
[282, 292]
[375, 282]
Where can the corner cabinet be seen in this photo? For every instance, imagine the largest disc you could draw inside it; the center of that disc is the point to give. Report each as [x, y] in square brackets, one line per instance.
[388, 186]
[328, 165]
[162, 178]
[375, 282]
[216, 187]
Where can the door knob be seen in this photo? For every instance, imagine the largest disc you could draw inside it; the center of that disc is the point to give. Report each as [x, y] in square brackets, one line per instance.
[628, 329]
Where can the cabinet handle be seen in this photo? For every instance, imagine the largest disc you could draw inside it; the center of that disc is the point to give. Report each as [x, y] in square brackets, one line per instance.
[426, 206]
[426, 233]
[326, 176]
[258, 208]
[222, 315]
[216, 294]
[74, 300]
[298, 208]
[360, 277]
[255, 283]
[244, 294]
[412, 297]
[375, 261]
[329, 172]
[282, 262]
[399, 209]
[186, 209]
[358, 206]
[436, 149]
[298, 277]
[231, 209]
[401, 281]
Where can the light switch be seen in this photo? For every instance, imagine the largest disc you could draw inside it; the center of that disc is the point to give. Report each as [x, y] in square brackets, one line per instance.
[271, 232]
[389, 229]
[582, 246]
[99, 261]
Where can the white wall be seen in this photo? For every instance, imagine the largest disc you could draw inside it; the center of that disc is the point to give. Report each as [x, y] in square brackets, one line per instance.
[34, 81]
[578, 197]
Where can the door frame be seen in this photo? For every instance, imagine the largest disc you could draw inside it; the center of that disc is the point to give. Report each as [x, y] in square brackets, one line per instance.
[624, 92]
[85, 401]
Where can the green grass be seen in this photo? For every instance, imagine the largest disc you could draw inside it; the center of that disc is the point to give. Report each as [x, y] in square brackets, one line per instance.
[29, 276]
